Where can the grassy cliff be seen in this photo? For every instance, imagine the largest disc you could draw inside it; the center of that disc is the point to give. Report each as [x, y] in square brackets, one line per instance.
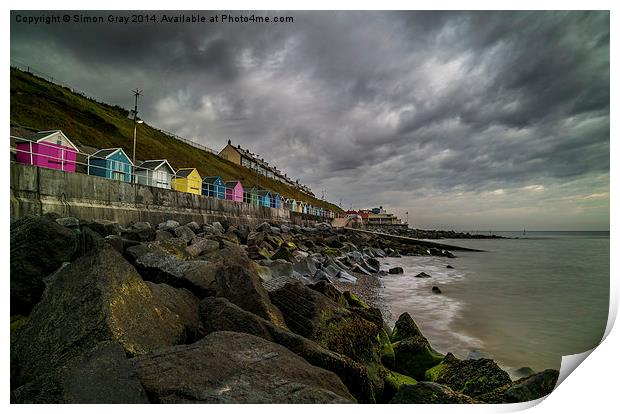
[41, 105]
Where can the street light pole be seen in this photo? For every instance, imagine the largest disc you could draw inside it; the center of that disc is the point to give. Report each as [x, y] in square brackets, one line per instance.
[136, 93]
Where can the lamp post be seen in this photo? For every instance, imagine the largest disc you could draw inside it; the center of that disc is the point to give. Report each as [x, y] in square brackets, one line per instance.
[136, 121]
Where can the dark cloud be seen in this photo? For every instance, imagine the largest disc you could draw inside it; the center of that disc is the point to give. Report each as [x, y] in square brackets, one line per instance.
[386, 108]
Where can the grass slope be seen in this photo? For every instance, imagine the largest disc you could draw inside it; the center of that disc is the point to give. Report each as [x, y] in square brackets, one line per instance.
[39, 104]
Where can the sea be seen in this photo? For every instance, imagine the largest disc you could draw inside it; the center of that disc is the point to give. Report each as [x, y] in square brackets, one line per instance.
[524, 301]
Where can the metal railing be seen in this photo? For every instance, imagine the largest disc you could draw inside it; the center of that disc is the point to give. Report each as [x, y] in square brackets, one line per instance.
[67, 159]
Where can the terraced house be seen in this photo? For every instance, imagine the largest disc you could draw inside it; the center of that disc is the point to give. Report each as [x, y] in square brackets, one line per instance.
[248, 159]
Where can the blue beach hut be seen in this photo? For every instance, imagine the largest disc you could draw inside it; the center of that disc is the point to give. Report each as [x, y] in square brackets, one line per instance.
[277, 201]
[213, 187]
[111, 163]
[264, 198]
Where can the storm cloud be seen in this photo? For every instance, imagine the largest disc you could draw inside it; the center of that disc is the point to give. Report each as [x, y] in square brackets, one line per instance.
[468, 120]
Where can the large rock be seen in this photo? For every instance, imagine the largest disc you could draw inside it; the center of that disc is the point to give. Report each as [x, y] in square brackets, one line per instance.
[184, 232]
[305, 266]
[163, 262]
[404, 328]
[102, 375]
[263, 227]
[88, 240]
[233, 367]
[181, 302]
[39, 245]
[278, 268]
[283, 253]
[393, 382]
[202, 246]
[429, 393]
[413, 356]
[98, 297]
[242, 285]
[168, 225]
[141, 231]
[525, 389]
[303, 308]
[471, 377]
[315, 316]
[104, 227]
[218, 314]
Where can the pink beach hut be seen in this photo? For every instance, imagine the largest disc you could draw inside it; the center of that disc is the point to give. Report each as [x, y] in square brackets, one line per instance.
[234, 191]
[48, 149]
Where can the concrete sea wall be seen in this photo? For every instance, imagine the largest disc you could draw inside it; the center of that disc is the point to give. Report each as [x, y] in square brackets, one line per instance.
[37, 191]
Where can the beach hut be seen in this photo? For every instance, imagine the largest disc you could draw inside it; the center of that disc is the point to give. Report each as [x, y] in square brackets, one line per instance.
[111, 163]
[155, 173]
[293, 205]
[234, 191]
[265, 198]
[213, 187]
[187, 180]
[48, 149]
[251, 196]
[277, 201]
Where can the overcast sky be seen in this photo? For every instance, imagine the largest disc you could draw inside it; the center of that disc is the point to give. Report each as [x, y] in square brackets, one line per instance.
[465, 120]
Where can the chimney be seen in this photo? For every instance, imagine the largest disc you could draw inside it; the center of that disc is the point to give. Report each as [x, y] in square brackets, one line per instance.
[228, 142]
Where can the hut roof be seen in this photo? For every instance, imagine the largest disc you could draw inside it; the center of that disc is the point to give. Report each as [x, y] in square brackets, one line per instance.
[154, 165]
[211, 180]
[184, 172]
[108, 152]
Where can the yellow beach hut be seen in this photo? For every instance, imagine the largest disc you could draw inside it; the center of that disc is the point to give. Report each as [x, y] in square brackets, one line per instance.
[187, 180]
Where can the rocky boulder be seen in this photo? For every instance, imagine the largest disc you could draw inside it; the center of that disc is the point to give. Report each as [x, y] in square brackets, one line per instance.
[184, 232]
[88, 240]
[303, 308]
[393, 382]
[218, 314]
[373, 264]
[328, 289]
[158, 263]
[180, 302]
[141, 231]
[233, 367]
[283, 253]
[202, 246]
[316, 317]
[429, 393]
[104, 227]
[422, 275]
[168, 225]
[263, 227]
[240, 283]
[395, 271]
[471, 377]
[404, 328]
[413, 356]
[525, 389]
[39, 245]
[120, 244]
[99, 297]
[102, 375]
